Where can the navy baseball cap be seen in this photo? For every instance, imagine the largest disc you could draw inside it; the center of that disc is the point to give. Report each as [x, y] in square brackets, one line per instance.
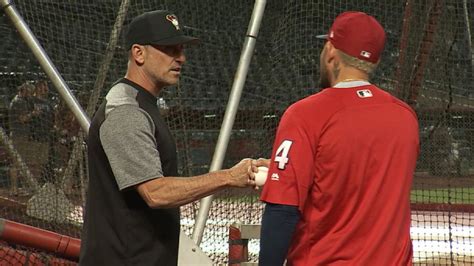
[160, 27]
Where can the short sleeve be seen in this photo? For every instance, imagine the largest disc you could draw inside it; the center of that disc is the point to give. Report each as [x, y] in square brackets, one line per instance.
[291, 171]
[127, 136]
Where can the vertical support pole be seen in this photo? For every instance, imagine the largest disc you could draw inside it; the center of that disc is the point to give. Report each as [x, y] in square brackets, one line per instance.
[403, 50]
[109, 55]
[425, 50]
[231, 110]
[469, 45]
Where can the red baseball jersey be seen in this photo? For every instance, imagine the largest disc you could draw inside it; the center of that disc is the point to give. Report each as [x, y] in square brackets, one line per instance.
[346, 157]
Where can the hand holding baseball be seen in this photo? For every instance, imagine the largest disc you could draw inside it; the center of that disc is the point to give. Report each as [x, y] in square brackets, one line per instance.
[242, 174]
[261, 176]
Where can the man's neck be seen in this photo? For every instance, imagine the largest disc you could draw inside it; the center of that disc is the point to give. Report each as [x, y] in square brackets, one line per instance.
[142, 80]
[348, 74]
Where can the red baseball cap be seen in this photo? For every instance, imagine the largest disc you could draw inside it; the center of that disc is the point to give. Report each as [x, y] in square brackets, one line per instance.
[357, 34]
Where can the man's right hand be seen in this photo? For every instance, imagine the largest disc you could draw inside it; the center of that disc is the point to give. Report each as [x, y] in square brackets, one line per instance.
[263, 162]
[243, 173]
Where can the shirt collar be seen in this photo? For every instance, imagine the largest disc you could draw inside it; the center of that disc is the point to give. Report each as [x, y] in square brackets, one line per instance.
[351, 84]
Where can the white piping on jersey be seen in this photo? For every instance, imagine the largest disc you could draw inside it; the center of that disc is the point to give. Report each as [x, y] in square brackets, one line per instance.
[351, 84]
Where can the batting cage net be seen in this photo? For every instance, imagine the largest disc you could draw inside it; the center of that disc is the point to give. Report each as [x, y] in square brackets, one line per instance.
[428, 62]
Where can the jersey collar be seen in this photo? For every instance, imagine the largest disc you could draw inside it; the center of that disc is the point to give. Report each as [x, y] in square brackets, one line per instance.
[351, 84]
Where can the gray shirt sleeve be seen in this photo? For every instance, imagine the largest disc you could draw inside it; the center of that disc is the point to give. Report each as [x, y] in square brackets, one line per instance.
[128, 139]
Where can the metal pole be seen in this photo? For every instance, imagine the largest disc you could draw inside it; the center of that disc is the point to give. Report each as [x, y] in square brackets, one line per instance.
[18, 160]
[400, 69]
[45, 62]
[231, 110]
[109, 55]
[468, 28]
[469, 42]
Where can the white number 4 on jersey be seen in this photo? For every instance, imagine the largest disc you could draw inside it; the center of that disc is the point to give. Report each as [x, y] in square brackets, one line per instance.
[281, 156]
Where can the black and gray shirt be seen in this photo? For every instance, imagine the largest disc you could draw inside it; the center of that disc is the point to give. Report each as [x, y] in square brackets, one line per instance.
[128, 144]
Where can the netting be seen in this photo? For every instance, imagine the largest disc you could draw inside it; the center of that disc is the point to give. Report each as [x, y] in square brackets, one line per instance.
[17, 255]
[428, 62]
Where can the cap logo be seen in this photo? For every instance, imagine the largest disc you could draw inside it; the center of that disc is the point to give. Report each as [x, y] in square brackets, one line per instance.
[331, 34]
[365, 54]
[174, 20]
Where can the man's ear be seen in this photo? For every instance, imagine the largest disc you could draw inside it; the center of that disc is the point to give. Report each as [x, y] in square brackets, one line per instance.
[331, 53]
[137, 52]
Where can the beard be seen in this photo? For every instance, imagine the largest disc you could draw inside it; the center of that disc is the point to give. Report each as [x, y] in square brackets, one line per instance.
[323, 77]
[323, 70]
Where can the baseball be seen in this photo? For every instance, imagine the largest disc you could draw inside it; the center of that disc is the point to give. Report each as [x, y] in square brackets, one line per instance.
[261, 176]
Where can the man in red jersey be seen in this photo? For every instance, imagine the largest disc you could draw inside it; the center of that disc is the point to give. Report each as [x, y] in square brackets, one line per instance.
[338, 187]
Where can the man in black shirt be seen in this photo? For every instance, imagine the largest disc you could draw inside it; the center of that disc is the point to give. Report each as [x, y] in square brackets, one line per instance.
[132, 209]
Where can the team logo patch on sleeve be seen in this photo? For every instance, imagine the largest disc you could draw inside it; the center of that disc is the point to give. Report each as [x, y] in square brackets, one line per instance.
[364, 93]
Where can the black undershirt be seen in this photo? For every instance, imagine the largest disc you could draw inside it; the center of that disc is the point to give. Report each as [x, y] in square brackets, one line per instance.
[278, 225]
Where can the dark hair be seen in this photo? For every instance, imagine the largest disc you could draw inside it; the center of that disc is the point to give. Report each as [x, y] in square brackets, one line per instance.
[27, 87]
[41, 82]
